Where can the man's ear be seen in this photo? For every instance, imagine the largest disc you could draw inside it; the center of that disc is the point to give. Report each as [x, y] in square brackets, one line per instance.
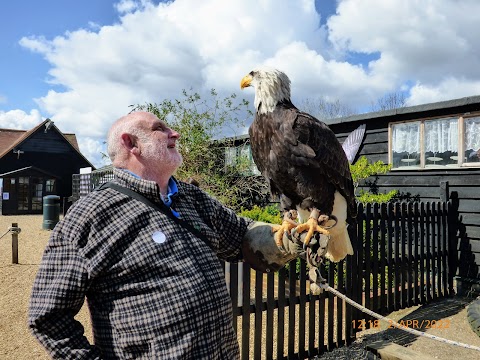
[130, 143]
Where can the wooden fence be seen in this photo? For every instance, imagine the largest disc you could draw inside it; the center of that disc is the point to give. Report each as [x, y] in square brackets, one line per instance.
[405, 255]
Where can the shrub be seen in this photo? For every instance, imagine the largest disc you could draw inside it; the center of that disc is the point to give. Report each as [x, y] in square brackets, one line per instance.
[269, 214]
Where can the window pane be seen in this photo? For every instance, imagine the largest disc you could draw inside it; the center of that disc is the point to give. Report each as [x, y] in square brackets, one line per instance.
[472, 140]
[230, 156]
[245, 152]
[441, 142]
[23, 193]
[244, 159]
[37, 197]
[37, 192]
[50, 185]
[246, 155]
[406, 144]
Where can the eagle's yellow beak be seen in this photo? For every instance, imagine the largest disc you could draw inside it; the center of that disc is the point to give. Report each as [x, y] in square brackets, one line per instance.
[247, 79]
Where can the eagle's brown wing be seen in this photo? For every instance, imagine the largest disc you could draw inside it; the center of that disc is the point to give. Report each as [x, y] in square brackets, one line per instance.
[294, 148]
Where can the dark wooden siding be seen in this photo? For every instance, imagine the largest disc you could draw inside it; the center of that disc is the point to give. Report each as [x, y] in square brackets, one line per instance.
[50, 152]
[49, 142]
[462, 182]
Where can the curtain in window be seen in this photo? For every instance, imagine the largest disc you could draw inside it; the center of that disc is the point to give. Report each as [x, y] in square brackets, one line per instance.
[441, 135]
[230, 156]
[472, 134]
[406, 138]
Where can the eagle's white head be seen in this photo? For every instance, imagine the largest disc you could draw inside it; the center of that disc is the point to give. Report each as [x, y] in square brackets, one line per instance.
[271, 86]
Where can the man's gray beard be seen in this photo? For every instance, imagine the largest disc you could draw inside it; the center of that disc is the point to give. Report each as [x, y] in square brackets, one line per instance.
[167, 160]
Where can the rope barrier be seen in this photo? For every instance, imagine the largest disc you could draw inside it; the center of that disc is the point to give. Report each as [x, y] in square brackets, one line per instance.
[5, 233]
[13, 230]
[394, 323]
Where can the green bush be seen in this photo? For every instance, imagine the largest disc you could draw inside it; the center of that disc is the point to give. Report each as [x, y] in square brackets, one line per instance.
[364, 169]
[269, 214]
[366, 197]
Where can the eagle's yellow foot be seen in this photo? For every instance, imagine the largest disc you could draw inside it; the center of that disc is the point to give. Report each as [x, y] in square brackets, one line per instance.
[312, 225]
[288, 224]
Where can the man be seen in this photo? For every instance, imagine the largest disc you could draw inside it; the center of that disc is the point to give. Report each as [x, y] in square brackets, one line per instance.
[155, 290]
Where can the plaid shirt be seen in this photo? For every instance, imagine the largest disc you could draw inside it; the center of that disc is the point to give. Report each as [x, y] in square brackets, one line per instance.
[154, 290]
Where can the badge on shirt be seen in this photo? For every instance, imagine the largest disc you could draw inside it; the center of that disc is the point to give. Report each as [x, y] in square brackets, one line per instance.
[159, 237]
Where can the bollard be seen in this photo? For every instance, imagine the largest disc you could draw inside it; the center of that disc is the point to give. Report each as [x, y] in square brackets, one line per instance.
[51, 211]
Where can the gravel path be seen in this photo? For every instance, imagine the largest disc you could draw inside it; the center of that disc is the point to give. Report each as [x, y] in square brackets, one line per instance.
[16, 342]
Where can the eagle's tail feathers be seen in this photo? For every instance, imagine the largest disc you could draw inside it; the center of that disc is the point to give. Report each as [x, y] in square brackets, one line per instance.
[339, 244]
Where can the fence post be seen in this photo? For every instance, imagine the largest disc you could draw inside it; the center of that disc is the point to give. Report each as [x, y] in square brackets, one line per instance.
[444, 191]
[452, 231]
[14, 243]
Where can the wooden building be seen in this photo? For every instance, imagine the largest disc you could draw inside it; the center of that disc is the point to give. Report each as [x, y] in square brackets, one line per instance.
[37, 163]
[435, 153]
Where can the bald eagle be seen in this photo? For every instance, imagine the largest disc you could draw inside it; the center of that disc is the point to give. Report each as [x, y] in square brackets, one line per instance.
[303, 162]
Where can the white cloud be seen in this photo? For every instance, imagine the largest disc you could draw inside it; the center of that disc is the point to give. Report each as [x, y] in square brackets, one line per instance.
[93, 150]
[154, 51]
[126, 6]
[449, 88]
[129, 6]
[425, 41]
[18, 119]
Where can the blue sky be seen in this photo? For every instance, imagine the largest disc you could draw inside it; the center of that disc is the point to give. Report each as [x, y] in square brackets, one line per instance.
[23, 73]
[81, 63]
[26, 73]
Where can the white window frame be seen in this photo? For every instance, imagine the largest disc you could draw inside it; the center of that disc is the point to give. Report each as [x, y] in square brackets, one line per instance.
[235, 153]
[461, 161]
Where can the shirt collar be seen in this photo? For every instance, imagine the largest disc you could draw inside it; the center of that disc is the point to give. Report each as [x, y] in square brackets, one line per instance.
[148, 188]
[172, 191]
[131, 173]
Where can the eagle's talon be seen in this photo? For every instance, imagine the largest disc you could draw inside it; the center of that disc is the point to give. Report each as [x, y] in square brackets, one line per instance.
[287, 225]
[311, 226]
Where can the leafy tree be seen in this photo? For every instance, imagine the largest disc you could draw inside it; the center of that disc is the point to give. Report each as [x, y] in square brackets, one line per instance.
[200, 122]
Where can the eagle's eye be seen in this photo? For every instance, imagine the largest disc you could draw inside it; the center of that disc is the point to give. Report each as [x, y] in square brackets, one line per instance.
[252, 73]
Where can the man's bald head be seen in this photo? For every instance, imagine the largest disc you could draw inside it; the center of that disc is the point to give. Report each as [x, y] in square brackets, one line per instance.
[134, 124]
[144, 144]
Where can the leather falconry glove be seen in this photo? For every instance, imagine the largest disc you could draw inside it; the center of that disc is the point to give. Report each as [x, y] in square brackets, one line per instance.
[262, 253]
